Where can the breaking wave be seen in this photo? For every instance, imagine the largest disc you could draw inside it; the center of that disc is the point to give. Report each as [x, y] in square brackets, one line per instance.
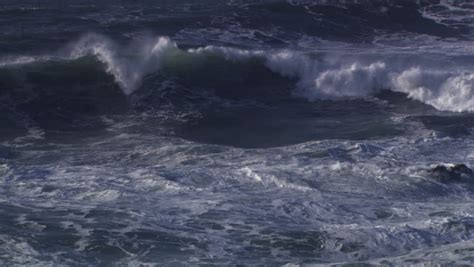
[317, 76]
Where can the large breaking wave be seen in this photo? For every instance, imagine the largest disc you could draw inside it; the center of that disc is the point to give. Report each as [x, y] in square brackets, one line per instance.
[316, 75]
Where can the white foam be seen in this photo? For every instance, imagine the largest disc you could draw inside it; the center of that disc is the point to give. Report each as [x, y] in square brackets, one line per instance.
[353, 80]
[450, 90]
[272, 180]
[21, 60]
[291, 64]
[228, 53]
[443, 90]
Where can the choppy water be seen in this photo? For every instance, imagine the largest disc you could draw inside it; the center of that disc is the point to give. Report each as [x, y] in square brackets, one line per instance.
[235, 132]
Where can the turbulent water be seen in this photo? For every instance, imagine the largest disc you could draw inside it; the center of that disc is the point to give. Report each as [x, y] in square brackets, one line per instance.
[182, 132]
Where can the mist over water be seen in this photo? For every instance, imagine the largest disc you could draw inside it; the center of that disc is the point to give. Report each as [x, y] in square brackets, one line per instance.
[223, 132]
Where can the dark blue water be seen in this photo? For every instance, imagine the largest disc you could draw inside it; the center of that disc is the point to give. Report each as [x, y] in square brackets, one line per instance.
[182, 133]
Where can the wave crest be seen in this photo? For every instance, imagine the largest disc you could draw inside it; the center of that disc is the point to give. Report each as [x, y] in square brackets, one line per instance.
[130, 66]
[443, 90]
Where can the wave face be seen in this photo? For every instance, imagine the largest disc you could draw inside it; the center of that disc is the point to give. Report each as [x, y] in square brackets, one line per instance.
[211, 132]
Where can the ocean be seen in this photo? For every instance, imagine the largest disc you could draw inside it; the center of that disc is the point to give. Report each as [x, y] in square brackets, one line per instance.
[236, 132]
